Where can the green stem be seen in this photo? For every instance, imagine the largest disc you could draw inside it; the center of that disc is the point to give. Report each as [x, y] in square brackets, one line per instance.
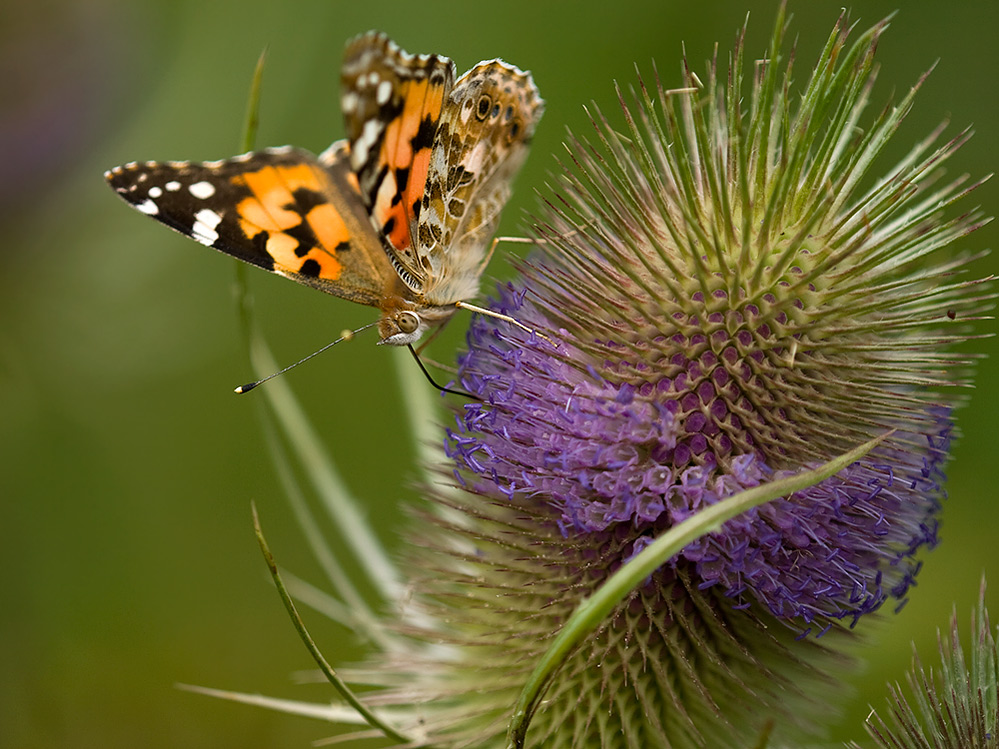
[371, 718]
[252, 120]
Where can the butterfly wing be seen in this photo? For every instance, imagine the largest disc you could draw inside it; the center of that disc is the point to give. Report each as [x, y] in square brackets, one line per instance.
[392, 102]
[481, 143]
[279, 209]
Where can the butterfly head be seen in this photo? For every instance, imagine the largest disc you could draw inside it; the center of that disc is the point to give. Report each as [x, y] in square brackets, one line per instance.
[401, 328]
[404, 323]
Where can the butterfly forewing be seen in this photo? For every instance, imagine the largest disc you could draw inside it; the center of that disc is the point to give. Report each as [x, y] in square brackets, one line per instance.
[391, 103]
[271, 208]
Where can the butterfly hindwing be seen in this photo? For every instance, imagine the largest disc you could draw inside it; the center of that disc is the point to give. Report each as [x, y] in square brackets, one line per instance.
[481, 143]
[274, 208]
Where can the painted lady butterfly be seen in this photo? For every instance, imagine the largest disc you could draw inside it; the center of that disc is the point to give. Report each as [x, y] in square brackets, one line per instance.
[398, 215]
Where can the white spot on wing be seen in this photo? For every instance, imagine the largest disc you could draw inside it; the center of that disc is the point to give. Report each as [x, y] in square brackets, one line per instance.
[148, 207]
[473, 162]
[359, 154]
[205, 222]
[202, 190]
[155, 192]
[172, 186]
[384, 92]
[386, 190]
[208, 217]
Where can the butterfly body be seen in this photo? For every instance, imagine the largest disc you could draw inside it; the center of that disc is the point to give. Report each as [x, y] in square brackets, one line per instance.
[397, 216]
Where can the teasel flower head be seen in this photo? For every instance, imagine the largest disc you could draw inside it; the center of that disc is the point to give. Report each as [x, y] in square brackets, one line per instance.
[729, 288]
[734, 297]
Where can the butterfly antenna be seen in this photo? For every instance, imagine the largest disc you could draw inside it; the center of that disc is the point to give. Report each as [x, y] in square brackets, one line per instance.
[345, 336]
[430, 379]
[501, 316]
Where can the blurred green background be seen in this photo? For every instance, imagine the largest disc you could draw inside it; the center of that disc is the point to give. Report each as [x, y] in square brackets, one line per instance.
[128, 465]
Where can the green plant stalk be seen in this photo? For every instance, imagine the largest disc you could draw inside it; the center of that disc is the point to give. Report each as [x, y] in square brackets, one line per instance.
[373, 720]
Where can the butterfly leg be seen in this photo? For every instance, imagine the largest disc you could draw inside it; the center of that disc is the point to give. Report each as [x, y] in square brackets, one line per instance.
[496, 241]
[520, 240]
[501, 316]
[430, 378]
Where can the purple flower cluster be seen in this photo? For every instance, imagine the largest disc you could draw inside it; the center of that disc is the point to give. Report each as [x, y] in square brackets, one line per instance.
[558, 427]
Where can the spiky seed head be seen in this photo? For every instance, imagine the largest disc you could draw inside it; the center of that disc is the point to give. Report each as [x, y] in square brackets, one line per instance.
[734, 298]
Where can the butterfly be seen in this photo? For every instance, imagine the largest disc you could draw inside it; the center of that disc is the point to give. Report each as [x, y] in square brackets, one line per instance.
[398, 215]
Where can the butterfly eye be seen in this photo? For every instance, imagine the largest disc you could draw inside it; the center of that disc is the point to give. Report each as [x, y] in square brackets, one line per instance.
[408, 322]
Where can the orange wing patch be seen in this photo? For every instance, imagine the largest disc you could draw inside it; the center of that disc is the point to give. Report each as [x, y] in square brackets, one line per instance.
[407, 147]
[328, 227]
[288, 214]
[406, 152]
